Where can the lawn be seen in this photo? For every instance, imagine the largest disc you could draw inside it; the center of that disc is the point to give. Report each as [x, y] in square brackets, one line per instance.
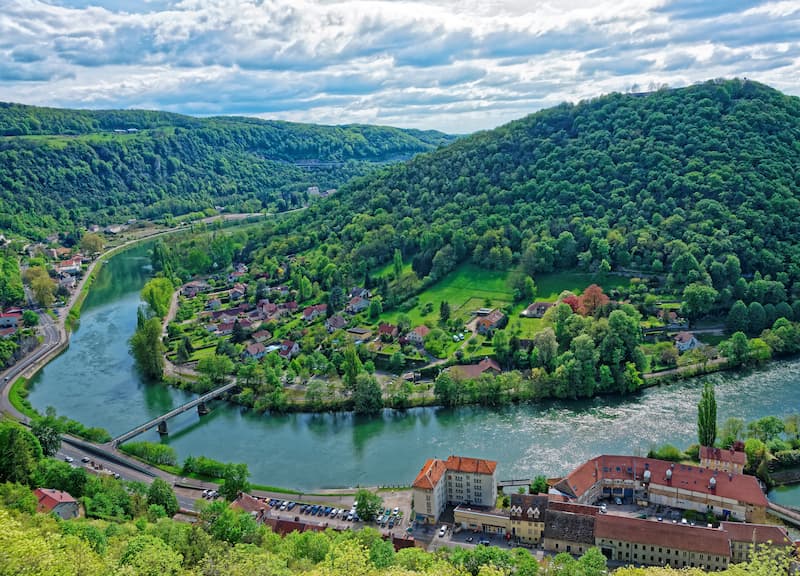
[465, 289]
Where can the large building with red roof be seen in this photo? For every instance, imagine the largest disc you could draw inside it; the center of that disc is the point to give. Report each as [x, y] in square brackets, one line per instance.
[454, 481]
[724, 460]
[686, 487]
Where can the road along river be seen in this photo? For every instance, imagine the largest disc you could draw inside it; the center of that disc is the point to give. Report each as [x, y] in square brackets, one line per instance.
[95, 382]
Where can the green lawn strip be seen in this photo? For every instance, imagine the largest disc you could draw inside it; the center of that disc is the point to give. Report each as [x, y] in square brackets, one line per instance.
[17, 395]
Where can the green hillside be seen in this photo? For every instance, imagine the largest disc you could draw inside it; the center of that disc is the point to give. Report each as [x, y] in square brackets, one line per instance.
[59, 167]
[698, 184]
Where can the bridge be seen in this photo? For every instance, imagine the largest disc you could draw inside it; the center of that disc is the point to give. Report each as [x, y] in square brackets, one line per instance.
[788, 515]
[161, 421]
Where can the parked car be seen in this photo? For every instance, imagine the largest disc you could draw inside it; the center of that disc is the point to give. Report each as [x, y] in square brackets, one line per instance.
[442, 531]
[396, 511]
[85, 459]
[69, 459]
[618, 501]
[483, 541]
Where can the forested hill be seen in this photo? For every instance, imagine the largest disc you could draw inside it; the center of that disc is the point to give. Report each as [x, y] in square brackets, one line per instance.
[59, 167]
[701, 183]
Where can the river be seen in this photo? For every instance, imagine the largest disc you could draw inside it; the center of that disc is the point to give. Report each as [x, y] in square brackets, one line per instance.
[94, 381]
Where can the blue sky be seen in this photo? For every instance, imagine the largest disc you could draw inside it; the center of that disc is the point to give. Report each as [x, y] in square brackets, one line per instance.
[452, 65]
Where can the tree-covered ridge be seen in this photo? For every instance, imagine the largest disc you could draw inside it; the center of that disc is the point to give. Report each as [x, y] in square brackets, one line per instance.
[684, 182]
[65, 167]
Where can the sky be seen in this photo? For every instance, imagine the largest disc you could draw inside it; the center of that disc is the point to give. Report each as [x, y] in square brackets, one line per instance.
[451, 65]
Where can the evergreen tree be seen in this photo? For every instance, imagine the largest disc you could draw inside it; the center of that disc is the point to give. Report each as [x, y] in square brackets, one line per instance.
[444, 311]
[707, 416]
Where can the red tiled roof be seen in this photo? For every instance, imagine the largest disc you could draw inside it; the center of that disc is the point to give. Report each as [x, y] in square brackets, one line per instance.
[756, 533]
[247, 503]
[49, 498]
[684, 337]
[422, 331]
[475, 370]
[431, 473]
[676, 536]
[739, 487]
[723, 455]
[473, 465]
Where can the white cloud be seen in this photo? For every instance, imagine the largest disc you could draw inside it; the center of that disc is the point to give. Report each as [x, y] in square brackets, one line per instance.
[455, 65]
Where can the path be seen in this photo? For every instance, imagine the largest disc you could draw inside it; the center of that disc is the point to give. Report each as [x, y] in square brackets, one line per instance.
[681, 369]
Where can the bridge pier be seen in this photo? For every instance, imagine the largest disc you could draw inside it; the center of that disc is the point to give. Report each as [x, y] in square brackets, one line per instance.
[202, 409]
[162, 428]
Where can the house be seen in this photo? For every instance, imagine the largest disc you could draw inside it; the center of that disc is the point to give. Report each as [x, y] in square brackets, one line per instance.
[267, 308]
[417, 335]
[6, 333]
[723, 460]
[569, 529]
[743, 537]
[537, 309]
[254, 351]
[311, 313]
[214, 304]
[473, 371]
[527, 513]
[357, 304]
[495, 319]
[225, 328]
[289, 349]
[359, 334]
[71, 266]
[659, 482]
[685, 341]
[358, 292]
[334, 323]
[387, 332]
[195, 287]
[58, 502]
[10, 319]
[235, 275]
[238, 291]
[455, 481]
[67, 281]
[262, 336]
[289, 307]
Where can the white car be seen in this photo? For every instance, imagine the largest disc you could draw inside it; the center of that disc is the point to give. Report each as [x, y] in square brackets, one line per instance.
[442, 531]
[69, 459]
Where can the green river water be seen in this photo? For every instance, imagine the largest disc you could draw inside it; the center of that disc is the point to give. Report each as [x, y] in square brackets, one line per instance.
[95, 382]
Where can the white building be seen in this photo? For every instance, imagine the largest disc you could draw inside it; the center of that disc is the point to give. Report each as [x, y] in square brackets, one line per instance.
[454, 481]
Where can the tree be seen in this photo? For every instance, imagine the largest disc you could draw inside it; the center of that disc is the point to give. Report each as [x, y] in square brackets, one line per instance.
[539, 485]
[235, 481]
[766, 428]
[738, 350]
[731, 431]
[756, 319]
[91, 243]
[381, 553]
[397, 361]
[368, 504]
[216, 367]
[737, 317]
[149, 556]
[367, 396]
[48, 432]
[238, 334]
[444, 311]
[592, 299]
[397, 263]
[546, 347]
[698, 299]
[20, 452]
[183, 355]
[707, 416]
[44, 289]
[30, 318]
[160, 493]
[352, 367]
[148, 349]
[501, 346]
[375, 308]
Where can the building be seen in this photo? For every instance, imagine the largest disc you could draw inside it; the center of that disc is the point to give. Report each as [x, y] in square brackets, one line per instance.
[492, 321]
[254, 351]
[648, 542]
[723, 460]
[455, 481]
[743, 537]
[387, 331]
[289, 349]
[685, 341]
[71, 266]
[417, 335]
[10, 319]
[537, 309]
[486, 519]
[472, 371]
[335, 322]
[527, 515]
[357, 304]
[195, 287]
[311, 313]
[58, 502]
[262, 336]
[686, 487]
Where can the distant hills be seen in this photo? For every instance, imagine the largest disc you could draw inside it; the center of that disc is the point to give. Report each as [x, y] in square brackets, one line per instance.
[698, 184]
[59, 167]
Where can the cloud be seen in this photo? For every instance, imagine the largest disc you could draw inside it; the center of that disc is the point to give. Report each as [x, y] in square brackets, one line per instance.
[453, 65]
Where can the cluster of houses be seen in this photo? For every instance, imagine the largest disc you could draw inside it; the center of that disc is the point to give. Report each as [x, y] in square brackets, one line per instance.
[569, 519]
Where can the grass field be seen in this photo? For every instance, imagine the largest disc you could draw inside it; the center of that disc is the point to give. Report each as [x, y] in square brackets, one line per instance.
[469, 287]
[464, 288]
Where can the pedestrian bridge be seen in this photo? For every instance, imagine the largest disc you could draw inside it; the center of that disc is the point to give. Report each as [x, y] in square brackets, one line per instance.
[789, 515]
[161, 421]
